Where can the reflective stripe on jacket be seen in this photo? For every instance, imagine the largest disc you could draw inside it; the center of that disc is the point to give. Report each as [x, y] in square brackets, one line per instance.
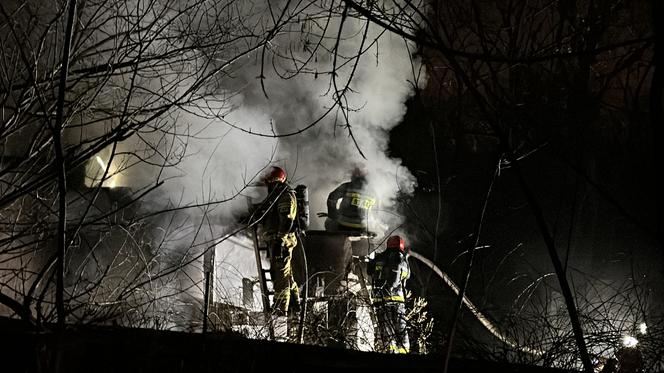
[393, 298]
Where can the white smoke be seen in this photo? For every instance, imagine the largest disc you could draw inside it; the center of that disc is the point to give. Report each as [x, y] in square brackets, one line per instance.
[213, 150]
[323, 156]
[219, 156]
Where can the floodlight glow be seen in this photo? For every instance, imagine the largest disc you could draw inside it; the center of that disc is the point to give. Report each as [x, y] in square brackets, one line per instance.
[101, 163]
[111, 180]
[643, 328]
[629, 341]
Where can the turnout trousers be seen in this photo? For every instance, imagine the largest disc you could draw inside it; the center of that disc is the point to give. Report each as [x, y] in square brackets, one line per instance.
[392, 330]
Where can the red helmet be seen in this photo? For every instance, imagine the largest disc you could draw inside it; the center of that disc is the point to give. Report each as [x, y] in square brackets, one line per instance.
[396, 242]
[276, 174]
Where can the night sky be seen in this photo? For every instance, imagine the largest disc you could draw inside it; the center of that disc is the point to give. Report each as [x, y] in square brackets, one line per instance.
[588, 148]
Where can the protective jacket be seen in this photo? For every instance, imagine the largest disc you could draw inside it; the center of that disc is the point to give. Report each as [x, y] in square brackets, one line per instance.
[356, 202]
[282, 211]
[390, 271]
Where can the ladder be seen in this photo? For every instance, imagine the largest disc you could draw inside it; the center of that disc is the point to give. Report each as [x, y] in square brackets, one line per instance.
[265, 280]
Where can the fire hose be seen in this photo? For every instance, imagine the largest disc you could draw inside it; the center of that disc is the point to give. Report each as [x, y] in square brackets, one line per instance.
[488, 325]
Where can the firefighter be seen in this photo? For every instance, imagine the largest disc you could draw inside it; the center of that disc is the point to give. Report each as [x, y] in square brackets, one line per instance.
[279, 234]
[352, 213]
[390, 271]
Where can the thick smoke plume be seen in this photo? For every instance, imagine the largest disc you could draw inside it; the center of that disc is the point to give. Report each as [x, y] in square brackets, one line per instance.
[223, 155]
[323, 156]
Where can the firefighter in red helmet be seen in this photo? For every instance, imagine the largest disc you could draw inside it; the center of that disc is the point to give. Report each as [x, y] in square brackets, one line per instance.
[279, 234]
[390, 271]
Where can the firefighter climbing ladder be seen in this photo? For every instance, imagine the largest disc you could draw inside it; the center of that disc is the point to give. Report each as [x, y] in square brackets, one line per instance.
[265, 279]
